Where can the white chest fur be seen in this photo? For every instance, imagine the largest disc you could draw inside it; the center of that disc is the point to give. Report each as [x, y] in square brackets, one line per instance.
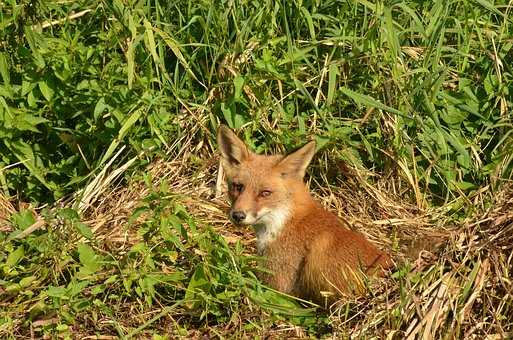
[269, 226]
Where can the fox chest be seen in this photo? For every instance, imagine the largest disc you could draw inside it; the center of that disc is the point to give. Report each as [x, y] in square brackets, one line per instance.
[285, 263]
[267, 235]
[282, 252]
[265, 238]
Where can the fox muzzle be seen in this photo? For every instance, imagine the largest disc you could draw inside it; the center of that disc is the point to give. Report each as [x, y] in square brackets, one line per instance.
[238, 216]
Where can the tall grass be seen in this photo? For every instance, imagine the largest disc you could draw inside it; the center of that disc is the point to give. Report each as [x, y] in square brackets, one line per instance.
[424, 85]
[418, 91]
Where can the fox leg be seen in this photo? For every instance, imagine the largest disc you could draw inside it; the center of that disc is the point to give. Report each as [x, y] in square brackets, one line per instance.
[284, 277]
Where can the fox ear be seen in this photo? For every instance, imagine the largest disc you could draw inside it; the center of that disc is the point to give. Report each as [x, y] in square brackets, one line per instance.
[296, 162]
[233, 150]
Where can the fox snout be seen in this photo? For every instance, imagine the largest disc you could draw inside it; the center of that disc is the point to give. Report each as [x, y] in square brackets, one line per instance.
[245, 206]
[242, 216]
[238, 216]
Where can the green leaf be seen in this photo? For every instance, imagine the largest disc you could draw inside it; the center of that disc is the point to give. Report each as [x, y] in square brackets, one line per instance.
[238, 83]
[228, 116]
[25, 155]
[127, 125]
[321, 141]
[369, 101]
[453, 116]
[89, 259]
[99, 108]
[151, 41]
[310, 23]
[463, 155]
[234, 120]
[280, 303]
[23, 219]
[32, 121]
[332, 82]
[464, 185]
[470, 281]
[45, 90]
[6, 91]
[58, 292]
[130, 65]
[15, 256]
[4, 69]
[68, 214]
[489, 6]
[198, 282]
[61, 328]
[175, 48]
[31, 39]
[27, 281]
[31, 99]
[84, 230]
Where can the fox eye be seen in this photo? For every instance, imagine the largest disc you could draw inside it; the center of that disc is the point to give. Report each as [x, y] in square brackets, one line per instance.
[237, 187]
[265, 193]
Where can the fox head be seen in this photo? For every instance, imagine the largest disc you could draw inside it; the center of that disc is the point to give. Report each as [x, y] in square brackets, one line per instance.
[262, 188]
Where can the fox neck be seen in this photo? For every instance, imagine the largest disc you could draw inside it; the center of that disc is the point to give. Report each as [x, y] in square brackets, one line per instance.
[268, 230]
[271, 227]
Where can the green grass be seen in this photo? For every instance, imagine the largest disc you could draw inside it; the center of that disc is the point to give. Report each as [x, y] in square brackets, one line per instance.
[415, 94]
[431, 80]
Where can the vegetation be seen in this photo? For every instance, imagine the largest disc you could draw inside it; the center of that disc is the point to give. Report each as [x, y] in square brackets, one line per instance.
[112, 221]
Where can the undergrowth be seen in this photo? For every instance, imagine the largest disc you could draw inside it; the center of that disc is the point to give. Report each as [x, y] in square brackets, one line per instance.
[409, 99]
[74, 280]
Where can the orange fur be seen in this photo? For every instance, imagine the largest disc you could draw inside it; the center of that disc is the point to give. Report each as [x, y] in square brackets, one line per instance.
[306, 248]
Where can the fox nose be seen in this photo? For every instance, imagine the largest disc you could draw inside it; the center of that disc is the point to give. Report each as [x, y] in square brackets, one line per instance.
[238, 216]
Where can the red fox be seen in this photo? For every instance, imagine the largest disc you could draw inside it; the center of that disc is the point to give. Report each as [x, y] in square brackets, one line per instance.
[307, 251]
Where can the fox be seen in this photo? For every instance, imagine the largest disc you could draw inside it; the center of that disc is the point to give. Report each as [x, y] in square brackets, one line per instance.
[307, 252]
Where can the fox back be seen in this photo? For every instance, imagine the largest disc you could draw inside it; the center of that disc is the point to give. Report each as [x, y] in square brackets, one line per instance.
[308, 252]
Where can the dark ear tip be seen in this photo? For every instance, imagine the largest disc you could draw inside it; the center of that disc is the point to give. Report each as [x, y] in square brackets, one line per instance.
[222, 130]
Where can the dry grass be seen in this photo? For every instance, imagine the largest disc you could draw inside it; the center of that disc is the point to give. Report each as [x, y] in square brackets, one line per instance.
[6, 210]
[459, 277]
